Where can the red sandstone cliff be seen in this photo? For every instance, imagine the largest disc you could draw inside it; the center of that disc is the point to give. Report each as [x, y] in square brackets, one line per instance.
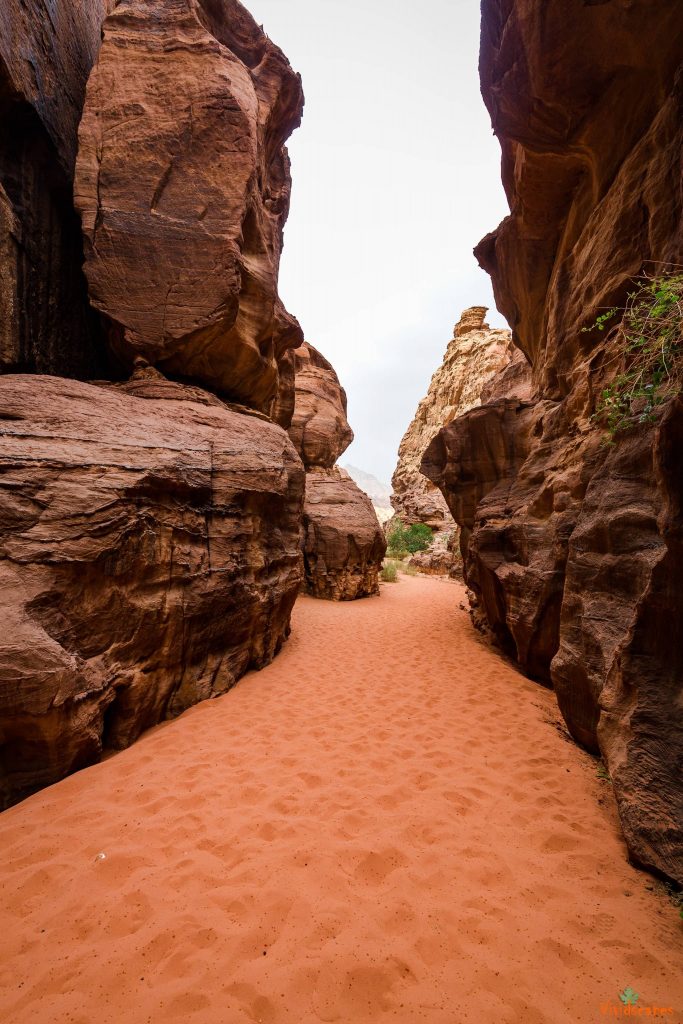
[149, 530]
[573, 547]
[149, 556]
[183, 183]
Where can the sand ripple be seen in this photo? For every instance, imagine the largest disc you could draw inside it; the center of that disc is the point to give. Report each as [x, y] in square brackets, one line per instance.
[384, 825]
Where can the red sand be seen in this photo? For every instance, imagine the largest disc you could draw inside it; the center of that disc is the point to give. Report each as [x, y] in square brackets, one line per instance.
[384, 825]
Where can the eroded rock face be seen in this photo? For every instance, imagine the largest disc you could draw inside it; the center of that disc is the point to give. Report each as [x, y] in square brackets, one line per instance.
[573, 545]
[343, 542]
[183, 186]
[46, 61]
[149, 556]
[441, 558]
[319, 429]
[45, 58]
[474, 355]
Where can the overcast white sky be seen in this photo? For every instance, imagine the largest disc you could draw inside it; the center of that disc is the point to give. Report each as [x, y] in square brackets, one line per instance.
[396, 176]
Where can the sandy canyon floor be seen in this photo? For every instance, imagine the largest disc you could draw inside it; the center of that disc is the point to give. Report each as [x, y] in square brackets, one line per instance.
[386, 824]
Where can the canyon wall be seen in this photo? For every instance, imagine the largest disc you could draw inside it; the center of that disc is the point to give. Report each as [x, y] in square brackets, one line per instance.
[343, 542]
[150, 528]
[572, 545]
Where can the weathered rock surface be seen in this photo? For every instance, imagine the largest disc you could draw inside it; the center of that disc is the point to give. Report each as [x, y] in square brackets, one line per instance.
[343, 542]
[149, 529]
[183, 186]
[319, 429]
[149, 556]
[573, 547]
[473, 356]
[45, 60]
[476, 356]
[441, 558]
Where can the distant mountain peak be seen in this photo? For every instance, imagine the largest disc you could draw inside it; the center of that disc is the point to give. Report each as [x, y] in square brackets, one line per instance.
[378, 492]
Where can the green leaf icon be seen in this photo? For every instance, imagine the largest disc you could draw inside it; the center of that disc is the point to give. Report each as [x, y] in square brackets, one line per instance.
[628, 997]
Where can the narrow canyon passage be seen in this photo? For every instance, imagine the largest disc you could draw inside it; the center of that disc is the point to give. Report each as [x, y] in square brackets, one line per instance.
[385, 824]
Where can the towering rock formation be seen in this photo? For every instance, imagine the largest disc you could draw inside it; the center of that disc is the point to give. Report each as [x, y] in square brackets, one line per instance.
[474, 354]
[573, 546]
[149, 530]
[182, 268]
[343, 542]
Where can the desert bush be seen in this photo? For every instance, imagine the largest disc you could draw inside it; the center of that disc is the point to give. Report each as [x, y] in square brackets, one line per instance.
[403, 540]
[649, 352]
[389, 572]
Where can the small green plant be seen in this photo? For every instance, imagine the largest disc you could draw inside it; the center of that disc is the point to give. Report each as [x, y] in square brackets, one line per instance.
[650, 351]
[629, 997]
[389, 573]
[602, 773]
[403, 540]
[600, 321]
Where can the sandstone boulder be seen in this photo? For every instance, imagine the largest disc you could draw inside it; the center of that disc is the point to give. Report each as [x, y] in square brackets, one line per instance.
[377, 491]
[344, 544]
[183, 186]
[149, 556]
[320, 430]
[572, 545]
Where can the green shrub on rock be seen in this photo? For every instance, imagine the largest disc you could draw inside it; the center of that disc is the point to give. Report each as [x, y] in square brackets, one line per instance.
[648, 352]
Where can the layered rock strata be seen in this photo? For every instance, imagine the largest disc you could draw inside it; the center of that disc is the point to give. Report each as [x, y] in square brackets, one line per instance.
[573, 546]
[343, 542]
[149, 553]
[183, 187]
[473, 358]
